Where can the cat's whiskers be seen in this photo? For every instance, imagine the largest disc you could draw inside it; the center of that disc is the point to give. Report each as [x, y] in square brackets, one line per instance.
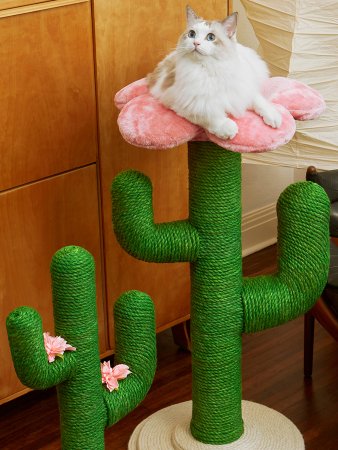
[182, 51]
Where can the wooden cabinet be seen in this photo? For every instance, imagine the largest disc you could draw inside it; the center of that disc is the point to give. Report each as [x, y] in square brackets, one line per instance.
[36, 220]
[7, 4]
[47, 94]
[61, 63]
[49, 195]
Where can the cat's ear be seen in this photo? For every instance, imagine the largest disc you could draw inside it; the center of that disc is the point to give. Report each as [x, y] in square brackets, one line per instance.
[230, 24]
[192, 17]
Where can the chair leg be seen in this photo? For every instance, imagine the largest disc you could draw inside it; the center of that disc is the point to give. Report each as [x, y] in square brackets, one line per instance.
[181, 335]
[309, 326]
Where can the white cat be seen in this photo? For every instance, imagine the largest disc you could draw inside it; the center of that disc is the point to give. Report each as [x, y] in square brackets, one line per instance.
[210, 75]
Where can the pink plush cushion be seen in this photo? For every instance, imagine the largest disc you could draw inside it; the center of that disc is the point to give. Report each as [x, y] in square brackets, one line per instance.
[144, 122]
[255, 136]
[303, 102]
[126, 94]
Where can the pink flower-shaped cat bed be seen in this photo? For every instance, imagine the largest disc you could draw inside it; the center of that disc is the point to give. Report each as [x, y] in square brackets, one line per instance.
[144, 122]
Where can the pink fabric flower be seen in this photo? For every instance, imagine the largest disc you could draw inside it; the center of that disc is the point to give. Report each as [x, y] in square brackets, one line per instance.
[111, 375]
[55, 346]
[145, 122]
[112, 384]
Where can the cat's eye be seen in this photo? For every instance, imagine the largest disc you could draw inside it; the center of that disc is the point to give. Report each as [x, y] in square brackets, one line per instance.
[210, 37]
[192, 34]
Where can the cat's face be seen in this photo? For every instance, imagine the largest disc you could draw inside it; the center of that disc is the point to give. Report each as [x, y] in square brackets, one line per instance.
[203, 38]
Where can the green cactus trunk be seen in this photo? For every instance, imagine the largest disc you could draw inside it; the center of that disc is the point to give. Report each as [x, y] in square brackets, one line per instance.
[216, 306]
[82, 410]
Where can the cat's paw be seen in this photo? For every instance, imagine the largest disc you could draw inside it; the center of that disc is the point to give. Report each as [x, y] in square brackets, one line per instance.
[273, 118]
[227, 129]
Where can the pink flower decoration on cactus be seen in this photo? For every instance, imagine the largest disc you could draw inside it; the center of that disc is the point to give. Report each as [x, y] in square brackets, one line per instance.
[111, 375]
[55, 346]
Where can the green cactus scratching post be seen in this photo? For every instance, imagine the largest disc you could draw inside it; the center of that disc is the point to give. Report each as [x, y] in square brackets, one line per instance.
[223, 303]
[86, 406]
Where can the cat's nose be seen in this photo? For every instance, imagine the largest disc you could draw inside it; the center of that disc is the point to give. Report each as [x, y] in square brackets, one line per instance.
[196, 43]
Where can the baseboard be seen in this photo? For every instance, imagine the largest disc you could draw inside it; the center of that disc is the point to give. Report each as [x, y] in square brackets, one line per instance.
[259, 229]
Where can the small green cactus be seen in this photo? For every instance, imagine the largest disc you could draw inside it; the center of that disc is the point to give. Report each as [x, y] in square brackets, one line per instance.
[86, 406]
[223, 303]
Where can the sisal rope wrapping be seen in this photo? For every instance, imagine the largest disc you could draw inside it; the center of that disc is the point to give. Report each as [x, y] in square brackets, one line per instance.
[75, 315]
[25, 335]
[223, 305]
[135, 345]
[303, 248]
[216, 280]
[86, 407]
[134, 226]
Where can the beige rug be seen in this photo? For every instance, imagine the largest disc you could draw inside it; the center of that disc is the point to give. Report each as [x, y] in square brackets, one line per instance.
[264, 429]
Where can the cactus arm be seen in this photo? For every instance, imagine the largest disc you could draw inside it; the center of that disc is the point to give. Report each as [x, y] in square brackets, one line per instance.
[25, 335]
[134, 226]
[303, 249]
[135, 346]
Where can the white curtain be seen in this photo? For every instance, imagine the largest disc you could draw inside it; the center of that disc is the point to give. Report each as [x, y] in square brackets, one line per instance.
[299, 40]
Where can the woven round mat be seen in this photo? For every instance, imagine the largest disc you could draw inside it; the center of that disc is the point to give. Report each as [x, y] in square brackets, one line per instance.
[264, 429]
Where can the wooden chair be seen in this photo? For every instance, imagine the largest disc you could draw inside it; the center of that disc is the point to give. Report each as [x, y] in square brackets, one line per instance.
[325, 310]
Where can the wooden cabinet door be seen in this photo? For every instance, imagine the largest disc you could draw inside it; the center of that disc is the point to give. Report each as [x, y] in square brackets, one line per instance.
[36, 221]
[47, 93]
[7, 4]
[131, 37]
[33, 5]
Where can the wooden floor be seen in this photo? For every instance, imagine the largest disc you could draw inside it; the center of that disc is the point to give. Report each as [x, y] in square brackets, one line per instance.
[272, 375]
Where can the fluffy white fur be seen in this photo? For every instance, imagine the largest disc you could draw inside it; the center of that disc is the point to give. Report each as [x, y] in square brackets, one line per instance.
[210, 75]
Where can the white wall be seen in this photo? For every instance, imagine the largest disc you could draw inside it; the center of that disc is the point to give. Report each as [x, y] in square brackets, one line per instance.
[261, 184]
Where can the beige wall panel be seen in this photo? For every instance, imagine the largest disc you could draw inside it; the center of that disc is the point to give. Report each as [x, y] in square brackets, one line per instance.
[47, 94]
[36, 221]
[131, 37]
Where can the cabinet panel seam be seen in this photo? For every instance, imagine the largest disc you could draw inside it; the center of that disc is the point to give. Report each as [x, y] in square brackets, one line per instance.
[38, 7]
